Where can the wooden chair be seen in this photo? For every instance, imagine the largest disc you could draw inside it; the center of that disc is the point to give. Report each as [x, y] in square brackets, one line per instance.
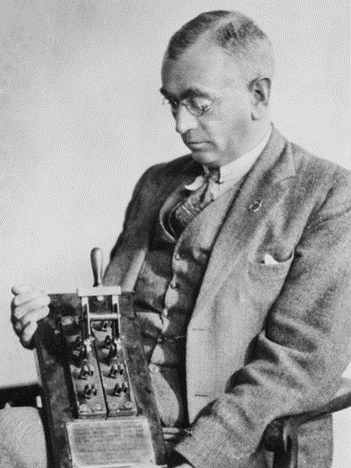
[281, 435]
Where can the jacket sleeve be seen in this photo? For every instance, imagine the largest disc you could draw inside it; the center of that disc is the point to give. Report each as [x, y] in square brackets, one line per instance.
[135, 233]
[148, 196]
[300, 355]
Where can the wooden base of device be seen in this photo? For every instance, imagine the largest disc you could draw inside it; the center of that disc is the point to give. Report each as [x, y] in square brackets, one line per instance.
[93, 419]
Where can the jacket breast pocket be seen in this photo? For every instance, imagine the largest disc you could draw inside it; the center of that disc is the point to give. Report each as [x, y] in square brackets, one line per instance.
[265, 282]
[272, 272]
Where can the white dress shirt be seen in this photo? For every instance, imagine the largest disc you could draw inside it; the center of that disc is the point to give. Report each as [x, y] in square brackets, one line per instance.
[233, 171]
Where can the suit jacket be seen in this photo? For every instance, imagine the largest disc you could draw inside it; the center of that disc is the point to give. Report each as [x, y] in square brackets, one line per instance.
[264, 340]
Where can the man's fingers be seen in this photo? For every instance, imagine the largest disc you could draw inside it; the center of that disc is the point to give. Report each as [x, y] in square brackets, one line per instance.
[17, 327]
[28, 306]
[29, 303]
[27, 296]
[23, 326]
[27, 334]
[31, 317]
[20, 289]
[34, 316]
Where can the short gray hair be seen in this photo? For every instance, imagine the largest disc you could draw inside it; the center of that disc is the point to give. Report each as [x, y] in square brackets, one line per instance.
[237, 34]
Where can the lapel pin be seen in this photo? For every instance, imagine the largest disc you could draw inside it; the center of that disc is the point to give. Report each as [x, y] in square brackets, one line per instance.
[256, 205]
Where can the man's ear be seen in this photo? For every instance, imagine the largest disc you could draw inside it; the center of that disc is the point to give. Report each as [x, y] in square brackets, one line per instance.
[260, 90]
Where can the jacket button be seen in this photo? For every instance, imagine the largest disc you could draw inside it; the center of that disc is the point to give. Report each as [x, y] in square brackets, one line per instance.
[153, 368]
[177, 256]
[174, 285]
[165, 313]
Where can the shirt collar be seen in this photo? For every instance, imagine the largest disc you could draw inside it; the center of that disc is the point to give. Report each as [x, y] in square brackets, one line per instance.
[236, 169]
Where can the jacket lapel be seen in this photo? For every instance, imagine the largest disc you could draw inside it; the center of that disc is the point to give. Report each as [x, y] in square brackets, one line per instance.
[265, 184]
[127, 261]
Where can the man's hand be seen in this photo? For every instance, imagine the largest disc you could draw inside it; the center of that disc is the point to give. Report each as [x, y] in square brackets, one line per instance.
[27, 307]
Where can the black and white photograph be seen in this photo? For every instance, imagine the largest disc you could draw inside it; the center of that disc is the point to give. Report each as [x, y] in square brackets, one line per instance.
[175, 234]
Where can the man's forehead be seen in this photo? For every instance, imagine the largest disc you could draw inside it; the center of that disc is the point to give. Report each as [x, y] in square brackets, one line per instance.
[207, 68]
[190, 92]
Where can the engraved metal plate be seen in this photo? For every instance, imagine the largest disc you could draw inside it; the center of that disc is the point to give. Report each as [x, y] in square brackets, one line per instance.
[114, 443]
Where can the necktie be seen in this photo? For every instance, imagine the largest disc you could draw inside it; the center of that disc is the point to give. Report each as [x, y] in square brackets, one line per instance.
[186, 210]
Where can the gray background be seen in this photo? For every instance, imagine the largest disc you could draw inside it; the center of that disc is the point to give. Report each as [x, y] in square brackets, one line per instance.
[81, 118]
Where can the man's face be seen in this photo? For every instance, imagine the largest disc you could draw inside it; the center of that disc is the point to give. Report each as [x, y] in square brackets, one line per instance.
[208, 76]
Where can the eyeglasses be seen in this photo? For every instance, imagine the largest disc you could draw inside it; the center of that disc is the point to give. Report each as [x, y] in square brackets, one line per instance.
[196, 105]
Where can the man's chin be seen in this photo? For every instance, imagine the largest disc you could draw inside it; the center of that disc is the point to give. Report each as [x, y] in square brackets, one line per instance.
[206, 158]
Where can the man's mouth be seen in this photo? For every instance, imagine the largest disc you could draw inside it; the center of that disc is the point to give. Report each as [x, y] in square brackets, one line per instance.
[196, 144]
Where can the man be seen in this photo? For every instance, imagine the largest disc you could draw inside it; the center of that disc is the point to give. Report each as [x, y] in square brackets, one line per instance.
[239, 256]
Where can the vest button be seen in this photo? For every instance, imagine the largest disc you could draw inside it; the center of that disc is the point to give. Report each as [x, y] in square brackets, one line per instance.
[153, 368]
[165, 313]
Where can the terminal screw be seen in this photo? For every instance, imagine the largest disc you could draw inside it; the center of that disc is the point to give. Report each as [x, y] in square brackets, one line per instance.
[83, 408]
[89, 391]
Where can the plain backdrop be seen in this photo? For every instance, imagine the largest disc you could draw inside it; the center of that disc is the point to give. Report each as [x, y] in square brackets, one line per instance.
[81, 118]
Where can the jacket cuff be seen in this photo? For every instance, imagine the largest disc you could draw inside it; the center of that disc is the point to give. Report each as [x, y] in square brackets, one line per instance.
[210, 445]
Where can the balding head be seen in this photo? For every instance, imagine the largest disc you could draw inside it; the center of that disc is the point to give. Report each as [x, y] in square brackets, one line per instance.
[235, 33]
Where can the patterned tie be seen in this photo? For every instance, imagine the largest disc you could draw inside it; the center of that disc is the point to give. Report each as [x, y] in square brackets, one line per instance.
[186, 210]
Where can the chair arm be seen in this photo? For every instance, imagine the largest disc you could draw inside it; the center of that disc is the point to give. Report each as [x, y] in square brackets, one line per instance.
[25, 395]
[280, 435]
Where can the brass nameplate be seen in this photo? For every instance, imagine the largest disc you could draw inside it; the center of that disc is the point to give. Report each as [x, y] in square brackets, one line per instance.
[126, 441]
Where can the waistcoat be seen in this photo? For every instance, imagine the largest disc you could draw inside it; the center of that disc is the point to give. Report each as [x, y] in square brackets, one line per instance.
[165, 295]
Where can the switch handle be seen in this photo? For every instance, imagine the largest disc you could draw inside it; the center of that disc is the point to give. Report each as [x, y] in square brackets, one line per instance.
[96, 257]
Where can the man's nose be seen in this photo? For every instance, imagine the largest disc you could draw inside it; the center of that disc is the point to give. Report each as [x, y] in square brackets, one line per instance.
[185, 120]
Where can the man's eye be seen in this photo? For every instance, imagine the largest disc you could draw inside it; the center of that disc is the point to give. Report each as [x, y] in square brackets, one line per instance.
[201, 103]
[173, 103]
